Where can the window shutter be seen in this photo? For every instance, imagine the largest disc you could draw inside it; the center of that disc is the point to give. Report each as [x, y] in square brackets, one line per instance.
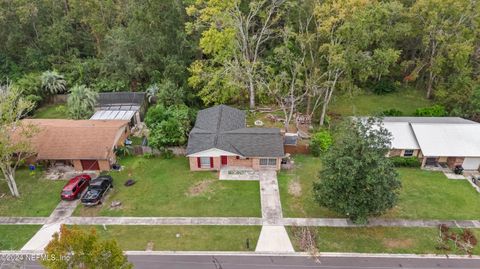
[211, 162]
[199, 163]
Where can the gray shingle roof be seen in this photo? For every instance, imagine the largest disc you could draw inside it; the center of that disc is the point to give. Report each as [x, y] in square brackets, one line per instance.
[223, 127]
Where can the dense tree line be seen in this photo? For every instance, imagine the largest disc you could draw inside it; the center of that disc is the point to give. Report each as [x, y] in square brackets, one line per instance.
[295, 54]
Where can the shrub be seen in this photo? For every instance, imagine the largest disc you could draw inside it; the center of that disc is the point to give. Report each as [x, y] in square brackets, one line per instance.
[405, 161]
[320, 142]
[384, 86]
[166, 153]
[432, 111]
[169, 126]
[392, 113]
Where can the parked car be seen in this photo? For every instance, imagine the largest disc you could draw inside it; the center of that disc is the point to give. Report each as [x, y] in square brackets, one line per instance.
[458, 170]
[97, 190]
[75, 186]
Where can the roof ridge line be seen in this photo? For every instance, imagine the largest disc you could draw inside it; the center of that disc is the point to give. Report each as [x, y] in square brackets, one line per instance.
[218, 125]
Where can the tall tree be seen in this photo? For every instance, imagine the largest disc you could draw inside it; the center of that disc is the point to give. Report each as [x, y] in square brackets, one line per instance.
[446, 29]
[357, 42]
[234, 37]
[15, 136]
[357, 179]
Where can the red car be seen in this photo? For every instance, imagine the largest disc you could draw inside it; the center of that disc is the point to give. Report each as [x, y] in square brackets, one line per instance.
[75, 186]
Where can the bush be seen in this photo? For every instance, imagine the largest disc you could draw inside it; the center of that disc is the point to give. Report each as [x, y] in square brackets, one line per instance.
[406, 161]
[392, 113]
[166, 153]
[169, 126]
[432, 111]
[384, 86]
[320, 143]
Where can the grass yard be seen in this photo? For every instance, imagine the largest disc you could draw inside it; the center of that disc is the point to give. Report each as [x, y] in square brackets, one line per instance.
[51, 112]
[168, 188]
[367, 103]
[14, 237]
[430, 195]
[424, 194]
[379, 240]
[296, 189]
[38, 196]
[194, 238]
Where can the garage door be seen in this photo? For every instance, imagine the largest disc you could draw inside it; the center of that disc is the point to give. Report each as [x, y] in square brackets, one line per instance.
[471, 163]
[90, 165]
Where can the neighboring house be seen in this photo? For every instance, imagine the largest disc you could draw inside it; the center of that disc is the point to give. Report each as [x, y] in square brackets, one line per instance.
[437, 141]
[83, 144]
[220, 138]
[129, 106]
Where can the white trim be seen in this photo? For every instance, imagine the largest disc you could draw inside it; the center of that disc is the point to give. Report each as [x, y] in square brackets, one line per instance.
[213, 152]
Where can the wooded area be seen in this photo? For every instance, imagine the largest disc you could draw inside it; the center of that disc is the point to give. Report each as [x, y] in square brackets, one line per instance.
[289, 53]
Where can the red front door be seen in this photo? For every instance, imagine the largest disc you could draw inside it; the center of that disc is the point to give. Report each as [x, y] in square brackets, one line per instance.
[224, 160]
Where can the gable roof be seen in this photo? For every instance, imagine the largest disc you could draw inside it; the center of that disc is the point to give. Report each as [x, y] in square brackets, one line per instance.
[456, 140]
[223, 127]
[57, 139]
[435, 136]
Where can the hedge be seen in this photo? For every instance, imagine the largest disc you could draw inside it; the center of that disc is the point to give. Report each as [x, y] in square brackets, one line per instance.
[406, 161]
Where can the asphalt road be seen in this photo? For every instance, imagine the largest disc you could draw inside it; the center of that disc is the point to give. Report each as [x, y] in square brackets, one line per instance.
[282, 262]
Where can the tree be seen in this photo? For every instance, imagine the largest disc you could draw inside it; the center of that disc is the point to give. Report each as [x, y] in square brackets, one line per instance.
[14, 134]
[284, 76]
[53, 82]
[357, 43]
[234, 36]
[76, 248]
[357, 179]
[168, 126]
[446, 29]
[81, 102]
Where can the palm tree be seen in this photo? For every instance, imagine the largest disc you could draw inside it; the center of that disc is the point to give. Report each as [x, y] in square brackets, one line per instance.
[81, 102]
[151, 92]
[53, 82]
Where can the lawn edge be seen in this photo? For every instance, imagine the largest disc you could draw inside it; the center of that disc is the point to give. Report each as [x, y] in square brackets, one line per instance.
[296, 254]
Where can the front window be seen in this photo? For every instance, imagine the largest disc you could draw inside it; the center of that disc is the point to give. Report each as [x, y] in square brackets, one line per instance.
[408, 153]
[268, 162]
[205, 162]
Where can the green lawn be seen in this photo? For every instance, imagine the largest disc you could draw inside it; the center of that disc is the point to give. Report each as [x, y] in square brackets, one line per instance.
[51, 112]
[194, 238]
[38, 196]
[169, 188]
[424, 194]
[379, 240]
[365, 103]
[430, 195]
[14, 237]
[296, 189]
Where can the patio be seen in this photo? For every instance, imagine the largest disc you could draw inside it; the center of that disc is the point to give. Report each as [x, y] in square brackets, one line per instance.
[238, 173]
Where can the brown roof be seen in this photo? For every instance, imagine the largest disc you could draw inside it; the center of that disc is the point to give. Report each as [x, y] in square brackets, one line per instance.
[57, 139]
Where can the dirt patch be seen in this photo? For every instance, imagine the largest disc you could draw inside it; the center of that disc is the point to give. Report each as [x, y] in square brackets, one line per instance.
[398, 243]
[200, 188]
[294, 188]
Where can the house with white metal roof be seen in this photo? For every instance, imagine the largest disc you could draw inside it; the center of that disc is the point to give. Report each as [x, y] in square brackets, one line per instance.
[439, 141]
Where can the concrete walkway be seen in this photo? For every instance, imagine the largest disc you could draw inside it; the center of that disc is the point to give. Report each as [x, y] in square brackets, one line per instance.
[247, 221]
[273, 237]
[52, 225]
[270, 198]
[162, 221]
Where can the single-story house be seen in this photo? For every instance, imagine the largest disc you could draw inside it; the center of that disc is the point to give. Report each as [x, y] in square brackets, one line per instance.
[83, 144]
[220, 138]
[124, 106]
[444, 141]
